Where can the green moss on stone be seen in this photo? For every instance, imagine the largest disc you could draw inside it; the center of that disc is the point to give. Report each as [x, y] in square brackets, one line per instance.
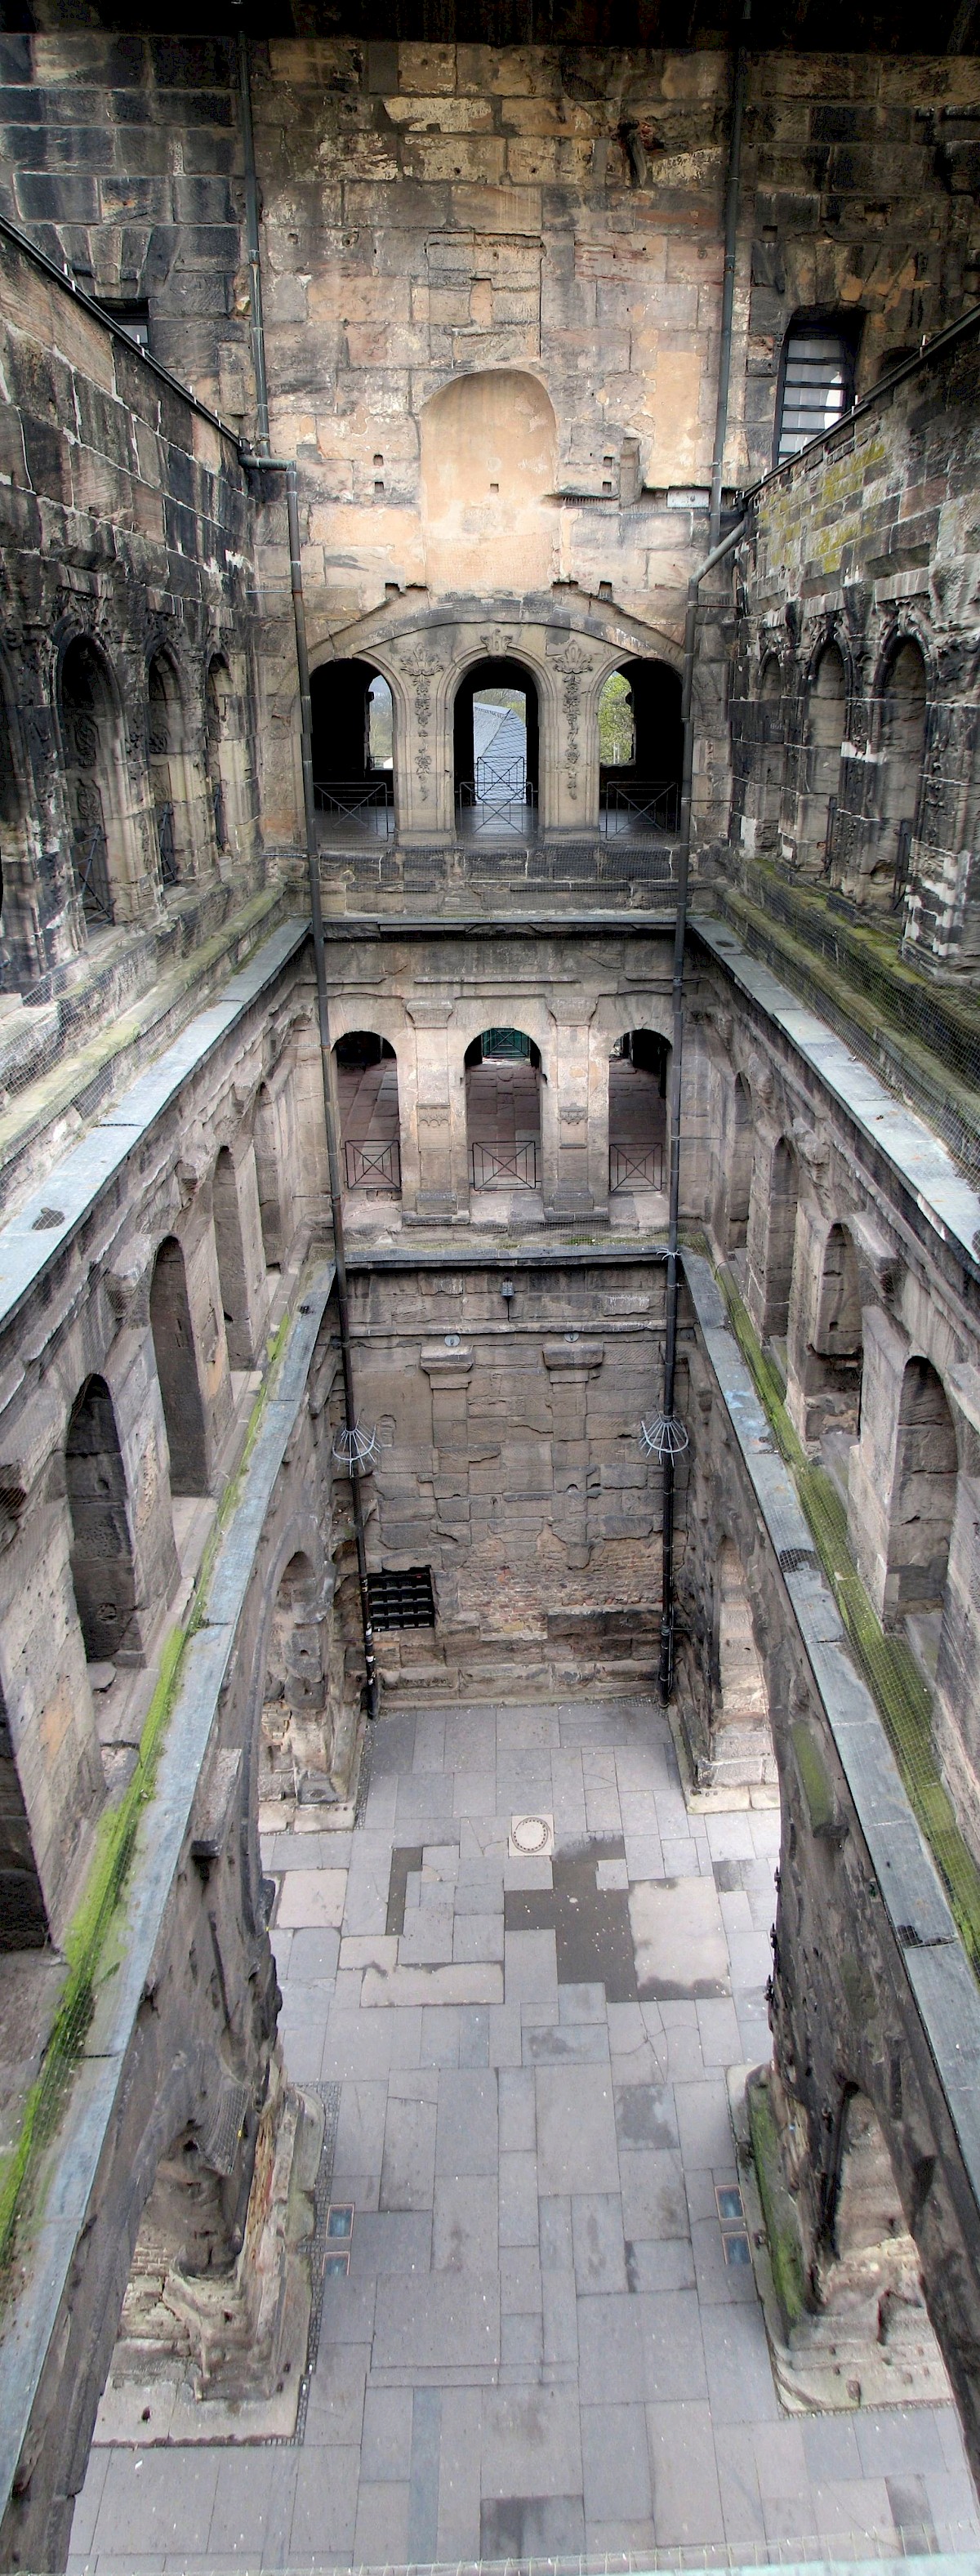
[782, 2231]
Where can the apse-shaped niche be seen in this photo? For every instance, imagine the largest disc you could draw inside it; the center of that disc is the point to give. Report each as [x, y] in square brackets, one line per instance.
[489, 465]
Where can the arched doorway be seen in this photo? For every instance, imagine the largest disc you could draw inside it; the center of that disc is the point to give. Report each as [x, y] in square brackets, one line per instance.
[503, 1110]
[231, 787]
[771, 752]
[101, 1549]
[641, 749]
[176, 1359]
[781, 1241]
[828, 707]
[297, 1735]
[740, 1154]
[233, 1268]
[495, 749]
[168, 771]
[92, 737]
[638, 1075]
[837, 1341]
[367, 1093]
[21, 943]
[353, 747]
[903, 738]
[268, 1175]
[23, 1913]
[923, 1498]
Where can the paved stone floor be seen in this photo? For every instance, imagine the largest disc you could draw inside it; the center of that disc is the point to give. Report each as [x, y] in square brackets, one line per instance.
[540, 2347]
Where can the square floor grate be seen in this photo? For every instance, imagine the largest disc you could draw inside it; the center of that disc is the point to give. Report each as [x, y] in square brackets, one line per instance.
[402, 1600]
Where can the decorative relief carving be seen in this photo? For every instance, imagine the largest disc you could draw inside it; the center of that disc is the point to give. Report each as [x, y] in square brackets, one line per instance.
[421, 667]
[572, 662]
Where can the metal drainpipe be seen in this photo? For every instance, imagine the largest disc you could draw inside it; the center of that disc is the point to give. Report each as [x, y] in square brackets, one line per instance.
[286, 466]
[252, 239]
[666, 1673]
[732, 191]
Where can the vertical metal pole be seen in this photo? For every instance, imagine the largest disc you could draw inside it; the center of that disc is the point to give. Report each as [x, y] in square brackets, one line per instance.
[666, 1671]
[252, 240]
[732, 191]
[330, 1106]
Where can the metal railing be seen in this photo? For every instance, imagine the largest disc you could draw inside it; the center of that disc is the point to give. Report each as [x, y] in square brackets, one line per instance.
[628, 1167]
[501, 798]
[169, 871]
[513, 1169]
[92, 873]
[368, 801]
[378, 1164]
[645, 805]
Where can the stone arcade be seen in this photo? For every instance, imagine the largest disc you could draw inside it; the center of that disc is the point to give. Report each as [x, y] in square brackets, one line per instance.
[489, 1287]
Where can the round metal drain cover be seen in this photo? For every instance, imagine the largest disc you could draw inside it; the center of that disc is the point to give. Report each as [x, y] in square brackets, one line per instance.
[531, 1835]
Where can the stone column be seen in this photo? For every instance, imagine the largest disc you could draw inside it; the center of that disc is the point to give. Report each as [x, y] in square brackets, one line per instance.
[568, 1145]
[424, 761]
[440, 1115]
[570, 767]
[449, 1373]
[570, 1364]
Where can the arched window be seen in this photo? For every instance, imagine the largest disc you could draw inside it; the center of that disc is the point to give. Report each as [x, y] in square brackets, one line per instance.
[495, 749]
[781, 1240]
[168, 771]
[739, 1153]
[101, 1550]
[641, 748]
[503, 1110]
[176, 1359]
[353, 747]
[96, 774]
[816, 380]
[367, 1092]
[827, 709]
[923, 1494]
[638, 1078]
[903, 737]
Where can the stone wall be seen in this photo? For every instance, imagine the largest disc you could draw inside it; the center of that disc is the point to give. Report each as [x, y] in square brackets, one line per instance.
[123, 160]
[128, 1397]
[511, 1464]
[854, 713]
[129, 793]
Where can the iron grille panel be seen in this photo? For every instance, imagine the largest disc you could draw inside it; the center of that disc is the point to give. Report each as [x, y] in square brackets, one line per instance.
[402, 1600]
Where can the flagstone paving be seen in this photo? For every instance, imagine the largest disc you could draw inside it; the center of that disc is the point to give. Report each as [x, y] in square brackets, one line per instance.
[540, 2348]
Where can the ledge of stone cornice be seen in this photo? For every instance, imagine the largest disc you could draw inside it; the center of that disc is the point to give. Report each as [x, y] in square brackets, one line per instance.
[128, 1004]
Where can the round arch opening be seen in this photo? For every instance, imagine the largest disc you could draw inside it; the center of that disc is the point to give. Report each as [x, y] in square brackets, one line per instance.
[503, 1110]
[353, 748]
[641, 748]
[639, 1074]
[495, 749]
[370, 1127]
